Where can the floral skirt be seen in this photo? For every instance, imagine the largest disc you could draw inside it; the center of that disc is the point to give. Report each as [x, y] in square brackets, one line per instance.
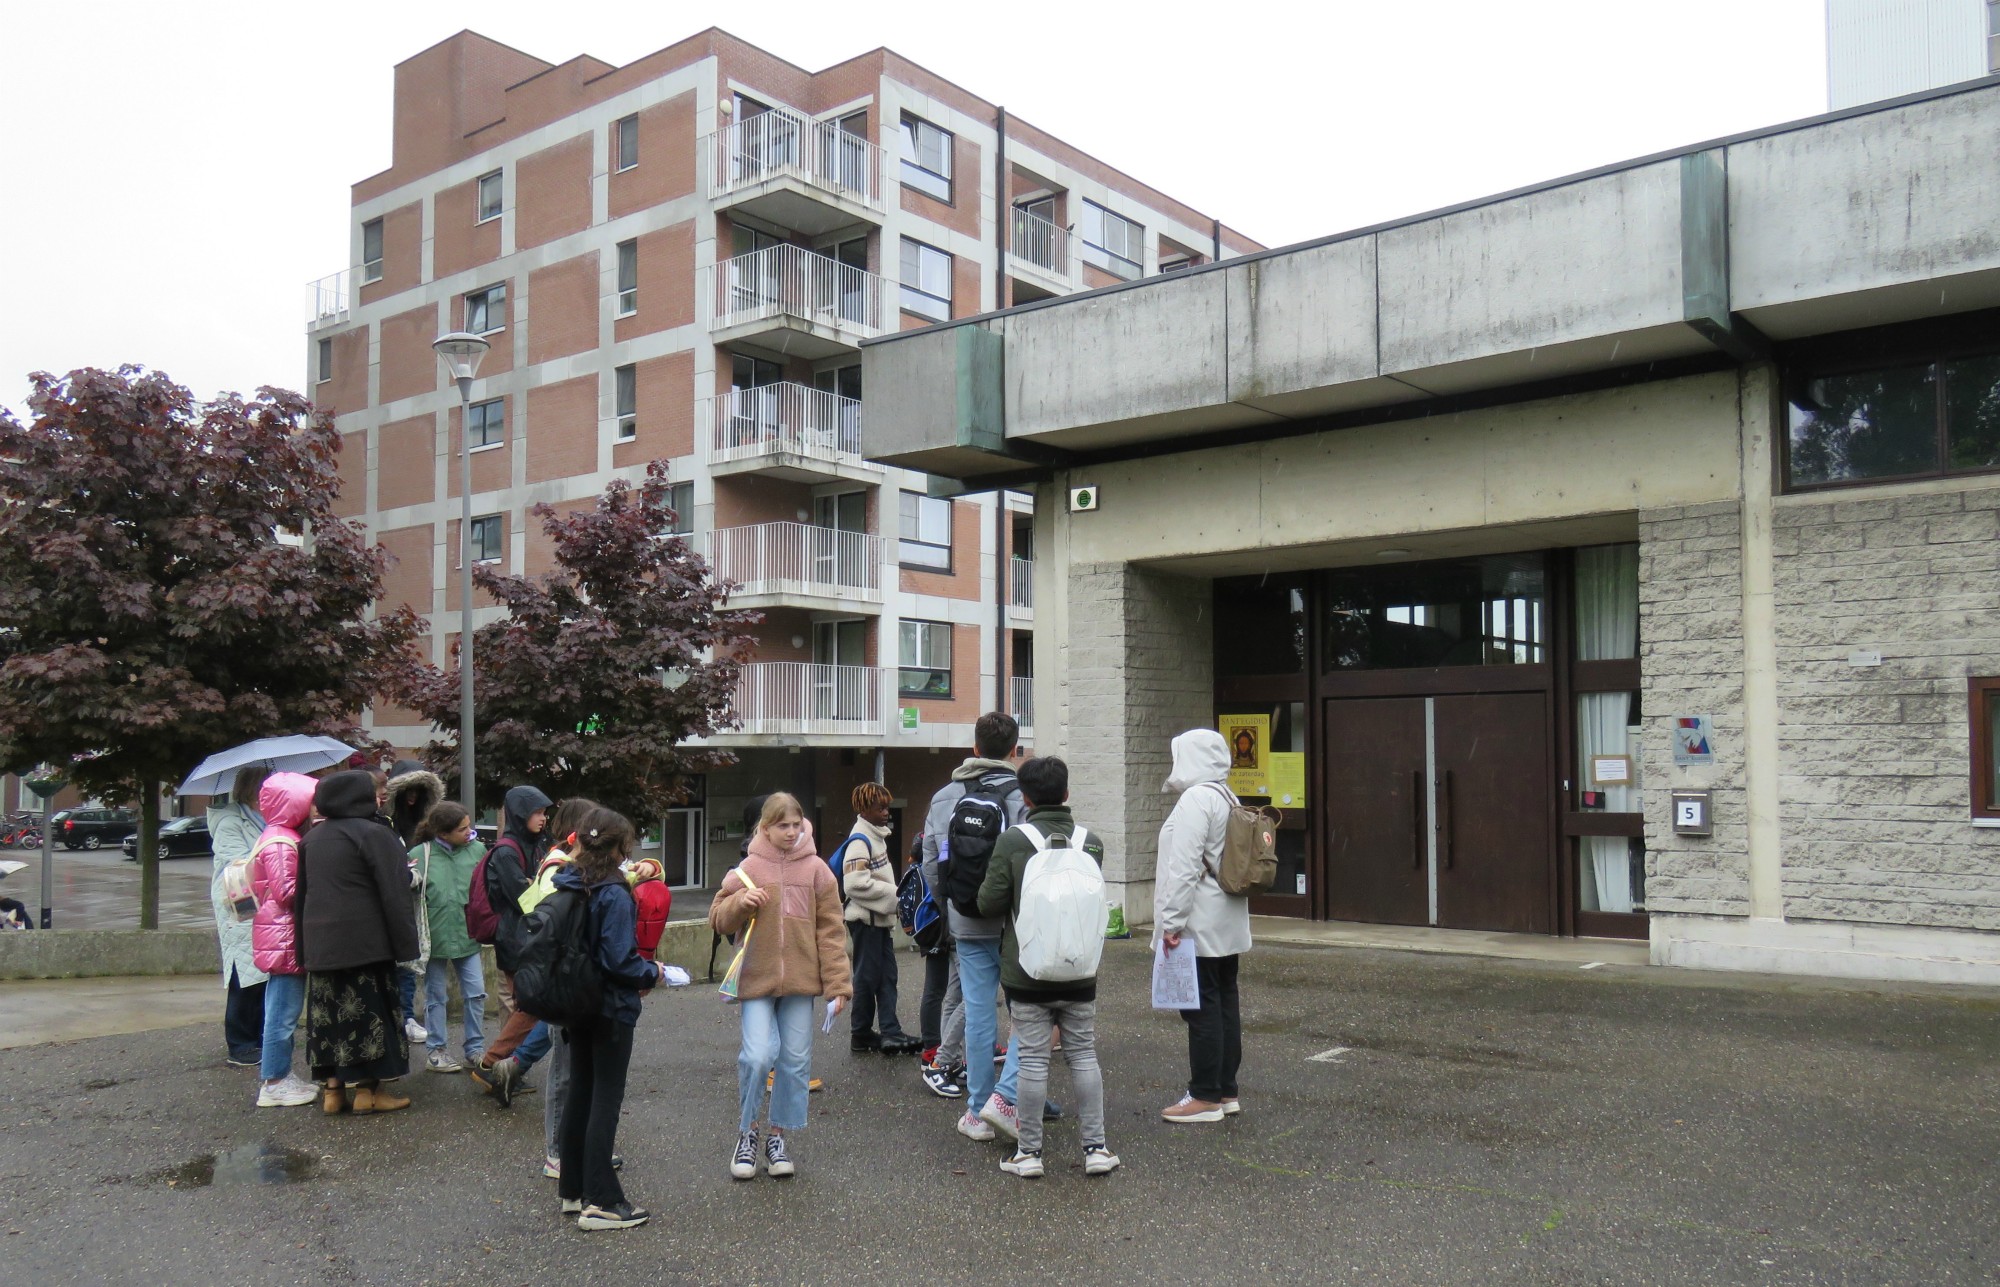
[354, 1024]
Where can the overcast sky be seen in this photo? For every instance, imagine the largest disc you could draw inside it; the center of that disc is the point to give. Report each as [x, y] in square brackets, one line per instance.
[177, 173]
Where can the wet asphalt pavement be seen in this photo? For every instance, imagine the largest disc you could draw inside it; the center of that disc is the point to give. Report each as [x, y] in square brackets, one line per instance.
[1468, 1121]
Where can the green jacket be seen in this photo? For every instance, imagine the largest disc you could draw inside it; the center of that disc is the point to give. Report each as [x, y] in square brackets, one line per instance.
[447, 887]
[1000, 895]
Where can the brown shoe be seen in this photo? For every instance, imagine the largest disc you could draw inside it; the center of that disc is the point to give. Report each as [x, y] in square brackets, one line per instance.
[1231, 1106]
[333, 1100]
[376, 1100]
[1189, 1109]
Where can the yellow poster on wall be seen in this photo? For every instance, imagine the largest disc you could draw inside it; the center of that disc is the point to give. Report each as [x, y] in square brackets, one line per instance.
[1248, 738]
[1288, 780]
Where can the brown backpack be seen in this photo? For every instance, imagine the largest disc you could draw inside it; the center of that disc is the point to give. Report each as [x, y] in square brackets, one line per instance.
[1249, 847]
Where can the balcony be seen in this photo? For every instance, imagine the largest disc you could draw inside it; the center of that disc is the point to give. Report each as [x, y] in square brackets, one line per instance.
[809, 176]
[806, 699]
[327, 301]
[1021, 587]
[1040, 252]
[797, 565]
[792, 302]
[787, 431]
[1021, 701]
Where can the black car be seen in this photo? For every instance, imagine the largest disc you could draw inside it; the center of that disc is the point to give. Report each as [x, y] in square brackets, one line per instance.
[179, 838]
[95, 828]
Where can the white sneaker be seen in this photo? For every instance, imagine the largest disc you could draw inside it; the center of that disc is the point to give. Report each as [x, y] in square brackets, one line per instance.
[974, 1129]
[282, 1094]
[300, 1083]
[1099, 1161]
[439, 1061]
[1000, 1115]
[415, 1033]
[1026, 1165]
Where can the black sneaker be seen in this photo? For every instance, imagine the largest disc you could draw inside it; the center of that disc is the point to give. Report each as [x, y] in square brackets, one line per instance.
[864, 1043]
[945, 1083]
[1051, 1111]
[901, 1045]
[777, 1162]
[619, 1215]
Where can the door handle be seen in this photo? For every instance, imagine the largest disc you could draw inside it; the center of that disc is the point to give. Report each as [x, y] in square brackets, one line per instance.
[1450, 819]
[1416, 819]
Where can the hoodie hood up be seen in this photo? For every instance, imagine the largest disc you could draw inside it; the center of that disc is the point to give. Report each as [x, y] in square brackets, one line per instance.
[286, 800]
[348, 794]
[521, 803]
[407, 776]
[1200, 755]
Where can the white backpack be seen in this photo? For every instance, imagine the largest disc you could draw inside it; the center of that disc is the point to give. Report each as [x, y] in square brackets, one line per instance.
[1060, 929]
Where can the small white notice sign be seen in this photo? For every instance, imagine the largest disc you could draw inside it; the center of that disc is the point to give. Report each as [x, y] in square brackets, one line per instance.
[1174, 983]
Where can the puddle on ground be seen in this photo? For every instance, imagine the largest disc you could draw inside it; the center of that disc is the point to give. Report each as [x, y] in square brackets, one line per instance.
[265, 1163]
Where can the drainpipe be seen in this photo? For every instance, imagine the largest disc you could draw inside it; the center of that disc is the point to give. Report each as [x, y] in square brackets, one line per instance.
[1001, 210]
[1215, 231]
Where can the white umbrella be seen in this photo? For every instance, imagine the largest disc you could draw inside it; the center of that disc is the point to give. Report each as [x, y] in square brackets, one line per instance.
[295, 754]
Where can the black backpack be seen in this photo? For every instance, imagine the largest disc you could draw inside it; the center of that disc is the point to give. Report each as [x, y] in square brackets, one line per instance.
[976, 823]
[556, 976]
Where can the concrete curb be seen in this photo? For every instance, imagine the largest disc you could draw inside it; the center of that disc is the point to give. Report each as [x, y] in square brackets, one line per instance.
[86, 954]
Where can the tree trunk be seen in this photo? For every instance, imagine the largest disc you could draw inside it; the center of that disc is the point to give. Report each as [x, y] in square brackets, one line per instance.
[149, 855]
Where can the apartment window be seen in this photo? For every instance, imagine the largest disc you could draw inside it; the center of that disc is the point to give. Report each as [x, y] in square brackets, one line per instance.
[489, 196]
[627, 378]
[1986, 748]
[1894, 404]
[628, 277]
[926, 659]
[680, 499]
[1112, 242]
[1176, 264]
[926, 539]
[1993, 35]
[486, 424]
[371, 251]
[926, 158]
[486, 310]
[926, 281]
[324, 372]
[488, 538]
[625, 142]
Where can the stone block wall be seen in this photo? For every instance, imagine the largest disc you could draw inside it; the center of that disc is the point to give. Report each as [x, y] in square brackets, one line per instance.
[1875, 783]
[1691, 663]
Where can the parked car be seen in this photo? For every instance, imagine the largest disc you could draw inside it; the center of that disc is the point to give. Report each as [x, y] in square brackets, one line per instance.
[95, 828]
[179, 838]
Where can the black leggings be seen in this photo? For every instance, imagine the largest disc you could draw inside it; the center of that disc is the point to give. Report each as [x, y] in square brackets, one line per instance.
[1215, 1032]
[600, 1052]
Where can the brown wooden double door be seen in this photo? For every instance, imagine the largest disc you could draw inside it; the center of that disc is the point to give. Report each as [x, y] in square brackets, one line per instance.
[1437, 810]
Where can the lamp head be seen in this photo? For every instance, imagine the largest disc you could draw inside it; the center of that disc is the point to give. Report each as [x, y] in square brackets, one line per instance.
[460, 352]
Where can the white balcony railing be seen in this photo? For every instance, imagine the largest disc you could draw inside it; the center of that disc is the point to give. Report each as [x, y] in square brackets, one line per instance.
[1021, 583]
[796, 558]
[1021, 699]
[1039, 242]
[778, 144]
[791, 282]
[327, 301]
[804, 697]
[788, 418]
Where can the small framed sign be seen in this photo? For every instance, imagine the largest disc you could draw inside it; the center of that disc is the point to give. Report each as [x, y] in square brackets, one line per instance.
[1610, 770]
[1692, 816]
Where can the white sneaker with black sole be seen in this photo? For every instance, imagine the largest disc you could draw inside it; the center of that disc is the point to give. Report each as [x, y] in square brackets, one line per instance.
[744, 1165]
[777, 1162]
[944, 1082]
[619, 1215]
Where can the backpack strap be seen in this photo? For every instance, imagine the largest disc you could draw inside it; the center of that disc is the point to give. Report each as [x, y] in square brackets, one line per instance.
[852, 836]
[1034, 835]
[1213, 873]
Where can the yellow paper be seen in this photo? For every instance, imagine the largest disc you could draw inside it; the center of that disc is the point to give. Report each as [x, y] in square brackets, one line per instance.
[1287, 780]
[1249, 741]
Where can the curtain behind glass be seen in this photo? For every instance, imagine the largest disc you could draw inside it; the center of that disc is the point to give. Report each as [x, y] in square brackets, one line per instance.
[1607, 628]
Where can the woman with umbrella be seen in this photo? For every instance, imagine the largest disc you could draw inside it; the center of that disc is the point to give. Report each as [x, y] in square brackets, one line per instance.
[233, 828]
[355, 920]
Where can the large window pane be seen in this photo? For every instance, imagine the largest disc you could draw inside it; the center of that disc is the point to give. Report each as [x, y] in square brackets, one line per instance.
[1866, 424]
[1607, 603]
[1260, 628]
[1972, 412]
[1470, 612]
[1612, 872]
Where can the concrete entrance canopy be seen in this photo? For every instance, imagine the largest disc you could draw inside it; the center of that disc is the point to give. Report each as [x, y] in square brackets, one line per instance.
[1673, 262]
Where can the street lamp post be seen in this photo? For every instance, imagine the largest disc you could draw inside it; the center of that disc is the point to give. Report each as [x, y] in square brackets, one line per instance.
[460, 352]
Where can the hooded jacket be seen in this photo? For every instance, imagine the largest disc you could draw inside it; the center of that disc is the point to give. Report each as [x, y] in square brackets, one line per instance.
[870, 878]
[425, 789]
[511, 866]
[613, 932]
[353, 906]
[1187, 891]
[1000, 895]
[938, 820]
[286, 802]
[233, 829]
[798, 947]
[445, 876]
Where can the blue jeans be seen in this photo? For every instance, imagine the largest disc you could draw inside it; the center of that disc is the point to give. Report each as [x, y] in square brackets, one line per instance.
[979, 981]
[533, 1047]
[284, 997]
[406, 984]
[777, 1033]
[472, 998]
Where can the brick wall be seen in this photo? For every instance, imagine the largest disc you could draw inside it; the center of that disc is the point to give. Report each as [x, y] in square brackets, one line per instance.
[492, 467]
[348, 389]
[562, 429]
[353, 462]
[666, 166]
[402, 253]
[406, 462]
[408, 579]
[565, 297]
[962, 582]
[1691, 663]
[409, 367]
[1874, 788]
[666, 283]
[553, 192]
[458, 240]
[665, 408]
[742, 499]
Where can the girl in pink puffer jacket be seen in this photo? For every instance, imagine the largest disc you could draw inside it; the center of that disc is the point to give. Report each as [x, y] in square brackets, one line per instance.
[286, 802]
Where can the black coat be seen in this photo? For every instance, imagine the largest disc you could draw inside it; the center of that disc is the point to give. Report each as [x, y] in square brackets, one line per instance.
[354, 906]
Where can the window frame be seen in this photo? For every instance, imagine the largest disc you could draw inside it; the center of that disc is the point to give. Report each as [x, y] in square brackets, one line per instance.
[628, 277]
[624, 131]
[485, 440]
[906, 290]
[494, 524]
[927, 634]
[625, 401]
[1982, 713]
[1108, 259]
[909, 136]
[479, 211]
[371, 267]
[323, 359]
[485, 296]
[680, 499]
[905, 540]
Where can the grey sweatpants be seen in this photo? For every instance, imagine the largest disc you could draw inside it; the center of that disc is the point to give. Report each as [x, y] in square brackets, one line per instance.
[1033, 1025]
[951, 1050]
[555, 1093]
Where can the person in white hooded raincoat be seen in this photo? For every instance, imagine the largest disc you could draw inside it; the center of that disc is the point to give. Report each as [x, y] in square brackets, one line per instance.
[1188, 903]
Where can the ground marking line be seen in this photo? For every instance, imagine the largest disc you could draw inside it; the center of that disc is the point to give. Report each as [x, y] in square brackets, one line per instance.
[1332, 1056]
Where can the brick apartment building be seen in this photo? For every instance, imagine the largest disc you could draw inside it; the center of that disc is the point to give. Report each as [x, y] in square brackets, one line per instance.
[678, 259]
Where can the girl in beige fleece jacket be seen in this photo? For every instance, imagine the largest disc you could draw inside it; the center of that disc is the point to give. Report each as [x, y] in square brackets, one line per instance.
[784, 897]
